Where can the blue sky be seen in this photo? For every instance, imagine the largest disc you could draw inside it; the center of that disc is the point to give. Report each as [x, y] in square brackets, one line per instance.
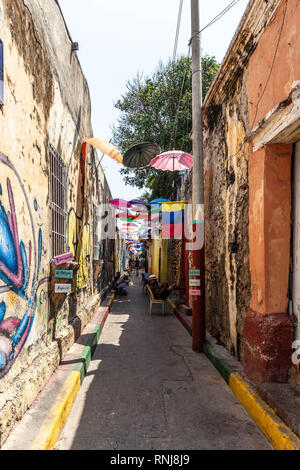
[118, 38]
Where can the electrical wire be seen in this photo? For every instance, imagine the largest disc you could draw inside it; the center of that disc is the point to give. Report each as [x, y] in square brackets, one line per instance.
[273, 62]
[177, 30]
[216, 18]
[213, 21]
[268, 79]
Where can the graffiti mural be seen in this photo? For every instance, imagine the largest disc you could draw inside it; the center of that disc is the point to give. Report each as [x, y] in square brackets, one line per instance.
[20, 260]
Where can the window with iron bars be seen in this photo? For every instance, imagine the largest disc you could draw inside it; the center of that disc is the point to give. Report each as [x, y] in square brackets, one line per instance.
[58, 194]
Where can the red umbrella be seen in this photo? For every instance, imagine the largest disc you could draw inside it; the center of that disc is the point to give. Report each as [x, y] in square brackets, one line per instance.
[129, 224]
[120, 203]
[174, 160]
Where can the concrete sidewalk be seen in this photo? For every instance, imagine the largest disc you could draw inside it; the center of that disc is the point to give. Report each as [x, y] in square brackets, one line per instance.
[146, 389]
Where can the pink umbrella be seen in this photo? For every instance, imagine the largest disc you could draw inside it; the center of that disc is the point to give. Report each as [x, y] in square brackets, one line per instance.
[119, 203]
[174, 160]
[129, 224]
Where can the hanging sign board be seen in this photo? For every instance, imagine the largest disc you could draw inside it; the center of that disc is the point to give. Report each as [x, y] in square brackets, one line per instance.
[64, 258]
[63, 274]
[194, 282]
[195, 292]
[194, 272]
[63, 288]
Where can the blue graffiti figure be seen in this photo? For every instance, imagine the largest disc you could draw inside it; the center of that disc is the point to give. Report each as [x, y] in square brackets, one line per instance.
[18, 267]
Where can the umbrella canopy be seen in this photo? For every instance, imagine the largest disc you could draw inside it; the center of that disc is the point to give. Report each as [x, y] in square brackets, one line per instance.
[124, 229]
[158, 201]
[141, 216]
[107, 148]
[140, 155]
[119, 203]
[135, 202]
[174, 160]
[129, 224]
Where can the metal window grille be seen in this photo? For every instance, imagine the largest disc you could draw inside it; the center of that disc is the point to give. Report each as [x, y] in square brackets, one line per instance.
[58, 191]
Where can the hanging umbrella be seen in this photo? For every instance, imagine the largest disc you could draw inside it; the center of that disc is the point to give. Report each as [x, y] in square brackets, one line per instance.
[175, 160]
[140, 155]
[141, 216]
[158, 201]
[135, 202]
[124, 229]
[119, 203]
[129, 224]
[107, 148]
[122, 215]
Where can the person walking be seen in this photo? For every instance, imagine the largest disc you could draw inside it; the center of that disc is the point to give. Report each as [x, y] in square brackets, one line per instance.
[137, 266]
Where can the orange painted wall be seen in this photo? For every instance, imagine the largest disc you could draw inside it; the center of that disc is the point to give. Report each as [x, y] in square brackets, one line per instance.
[270, 227]
[286, 67]
[256, 231]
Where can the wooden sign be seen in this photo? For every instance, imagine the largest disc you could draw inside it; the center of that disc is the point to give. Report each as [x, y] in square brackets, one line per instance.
[194, 282]
[63, 288]
[194, 292]
[194, 272]
[63, 274]
[64, 258]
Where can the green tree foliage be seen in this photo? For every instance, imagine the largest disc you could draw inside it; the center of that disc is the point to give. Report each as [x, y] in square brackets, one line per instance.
[159, 109]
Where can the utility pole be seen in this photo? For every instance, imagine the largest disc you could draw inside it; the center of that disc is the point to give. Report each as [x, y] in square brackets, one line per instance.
[198, 306]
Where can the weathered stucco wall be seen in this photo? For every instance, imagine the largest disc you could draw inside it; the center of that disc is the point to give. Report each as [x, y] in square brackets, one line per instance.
[46, 102]
[226, 212]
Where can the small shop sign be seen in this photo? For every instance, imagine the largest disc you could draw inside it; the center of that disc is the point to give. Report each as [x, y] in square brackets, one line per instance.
[195, 292]
[63, 274]
[64, 258]
[194, 272]
[63, 288]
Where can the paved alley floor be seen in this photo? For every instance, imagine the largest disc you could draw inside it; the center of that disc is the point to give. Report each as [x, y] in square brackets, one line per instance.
[146, 389]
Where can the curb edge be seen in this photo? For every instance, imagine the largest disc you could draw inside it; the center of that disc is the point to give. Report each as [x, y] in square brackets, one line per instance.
[53, 424]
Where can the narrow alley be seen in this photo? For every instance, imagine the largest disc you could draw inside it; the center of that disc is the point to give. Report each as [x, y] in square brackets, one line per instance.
[149, 226]
[146, 389]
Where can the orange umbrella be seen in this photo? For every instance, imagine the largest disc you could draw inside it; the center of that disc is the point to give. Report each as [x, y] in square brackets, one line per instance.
[107, 148]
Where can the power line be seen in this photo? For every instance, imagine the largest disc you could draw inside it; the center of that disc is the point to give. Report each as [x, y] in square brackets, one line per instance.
[177, 30]
[216, 18]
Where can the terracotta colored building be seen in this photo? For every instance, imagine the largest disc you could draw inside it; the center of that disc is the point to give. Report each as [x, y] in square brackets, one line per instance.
[252, 192]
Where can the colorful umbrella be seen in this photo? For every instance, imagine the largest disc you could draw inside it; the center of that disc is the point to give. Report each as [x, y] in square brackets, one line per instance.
[107, 148]
[135, 202]
[141, 216]
[174, 160]
[129, 224]
[158, 201]
[119, 203]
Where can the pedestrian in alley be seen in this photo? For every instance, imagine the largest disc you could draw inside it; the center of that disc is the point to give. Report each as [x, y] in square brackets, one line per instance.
[160, 292]
[137, 267]
[130, 265]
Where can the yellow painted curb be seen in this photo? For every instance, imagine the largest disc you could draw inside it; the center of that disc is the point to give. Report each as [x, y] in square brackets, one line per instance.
[278, 433]
[111, 301]
[54, 423]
